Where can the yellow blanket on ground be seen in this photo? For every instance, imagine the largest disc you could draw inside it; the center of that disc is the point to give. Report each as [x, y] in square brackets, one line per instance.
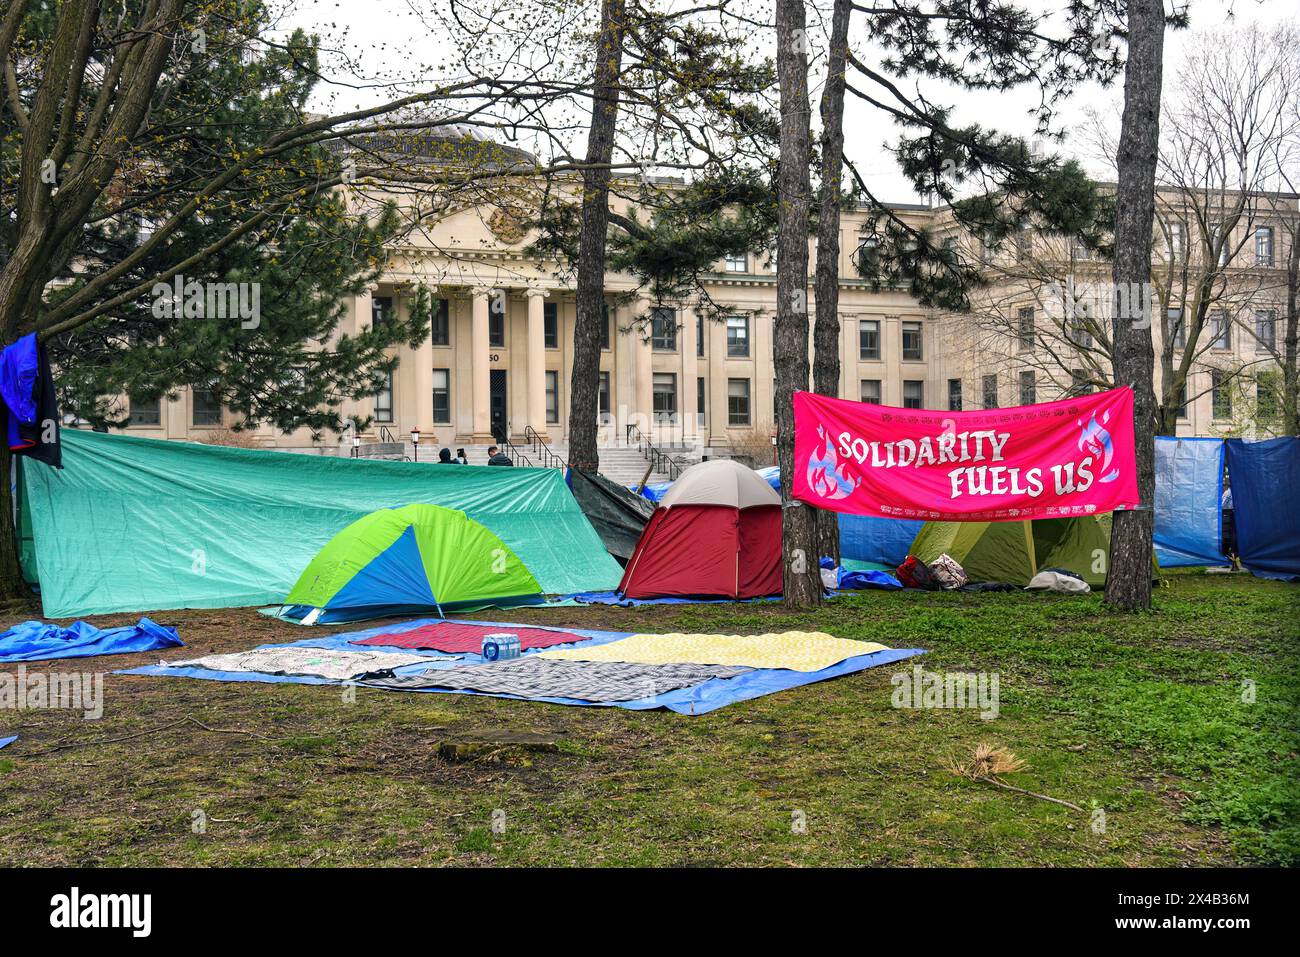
[793, 650]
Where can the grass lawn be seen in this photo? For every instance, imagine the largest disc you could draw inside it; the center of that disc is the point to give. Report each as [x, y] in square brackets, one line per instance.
[1142, 717]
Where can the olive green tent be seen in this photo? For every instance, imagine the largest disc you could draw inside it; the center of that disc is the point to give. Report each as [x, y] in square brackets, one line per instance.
[1015, 551]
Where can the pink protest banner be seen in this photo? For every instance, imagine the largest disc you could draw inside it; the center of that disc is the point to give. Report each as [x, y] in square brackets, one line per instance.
[1057, 459]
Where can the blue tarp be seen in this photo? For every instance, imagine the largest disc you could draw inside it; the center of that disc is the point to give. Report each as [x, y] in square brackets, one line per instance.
[1265, 478]
[1189, 488]
[857, 579]
[5, 742]
[868, 538]
[40, 641]
[702, 698]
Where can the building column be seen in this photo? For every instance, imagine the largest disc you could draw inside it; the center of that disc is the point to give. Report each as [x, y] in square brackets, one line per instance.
[717, 384]
[479, 377]
[536, 383]
[763, 397]
[891, 351]
[362, 317]
[849, 352]
[421, 389]
[686, 384]
[643, 403]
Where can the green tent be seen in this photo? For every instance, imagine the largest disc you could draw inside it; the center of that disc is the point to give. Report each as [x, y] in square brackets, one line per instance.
[1015, 551]
[135, 524]
[410, 559]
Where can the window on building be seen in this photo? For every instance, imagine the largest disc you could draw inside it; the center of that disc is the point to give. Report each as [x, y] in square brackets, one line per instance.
[441, 322]
[1079, 249]
[989, 391]
[664, 396]
[207, 407]
[1175, 242]
[954, 395]
[738, 336]
[1028, 387]
[870, 391]
[381, 311]
[663, 329]
[442, 396]
[1222, 236]
[736, 262]
[1268, 388]
[1176, 328]
[497, 321]
[1265, 330]
[699, 335]
[1080, 382]
[1024, 244]
[913, 394]
[384, 400]
[551, 325]
[1220, 394]
[1264, 246]
[146, 411]
[912, 341]
[737, 402]
[552, 396]
[1182, 400]
[869, 339]
[1220, 330]
[602, 397]
[700, 395]
[605, 331]
[1079, 333]
[1025, 327]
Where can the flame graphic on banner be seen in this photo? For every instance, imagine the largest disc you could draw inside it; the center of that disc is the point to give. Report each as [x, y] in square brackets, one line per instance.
[1095, 440]
[824, 475]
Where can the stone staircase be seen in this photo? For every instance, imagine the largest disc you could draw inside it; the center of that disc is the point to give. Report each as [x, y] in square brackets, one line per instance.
[623, 464]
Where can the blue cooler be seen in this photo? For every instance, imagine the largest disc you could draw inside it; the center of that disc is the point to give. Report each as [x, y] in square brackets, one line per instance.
[500, 647]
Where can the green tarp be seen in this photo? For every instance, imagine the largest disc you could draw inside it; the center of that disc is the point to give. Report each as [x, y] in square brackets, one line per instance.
[139, 524]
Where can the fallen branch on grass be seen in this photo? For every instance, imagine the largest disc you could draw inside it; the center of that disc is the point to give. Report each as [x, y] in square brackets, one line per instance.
[987, 762]
[140, 734]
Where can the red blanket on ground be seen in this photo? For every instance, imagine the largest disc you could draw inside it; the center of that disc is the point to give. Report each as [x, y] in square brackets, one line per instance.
[456, 638]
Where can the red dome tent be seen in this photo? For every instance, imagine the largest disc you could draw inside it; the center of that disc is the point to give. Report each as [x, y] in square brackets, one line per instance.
[716, 533]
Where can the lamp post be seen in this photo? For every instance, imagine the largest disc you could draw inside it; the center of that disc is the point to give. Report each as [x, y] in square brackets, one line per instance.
[356, 443]
[415, 444]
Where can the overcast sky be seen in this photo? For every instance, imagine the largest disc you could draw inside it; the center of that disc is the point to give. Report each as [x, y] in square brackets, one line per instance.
[388, 40]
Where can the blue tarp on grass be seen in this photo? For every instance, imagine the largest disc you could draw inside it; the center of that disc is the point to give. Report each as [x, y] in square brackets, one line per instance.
[1265, 477]
[1189, 493]
[41, 641]
[700, 699]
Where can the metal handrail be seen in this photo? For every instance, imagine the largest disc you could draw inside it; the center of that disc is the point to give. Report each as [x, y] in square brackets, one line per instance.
[516, 457]
[660, 461]
[538, 446]
[386, 434]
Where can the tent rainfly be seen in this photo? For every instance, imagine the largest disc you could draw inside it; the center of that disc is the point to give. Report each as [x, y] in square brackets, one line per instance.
[716, 533]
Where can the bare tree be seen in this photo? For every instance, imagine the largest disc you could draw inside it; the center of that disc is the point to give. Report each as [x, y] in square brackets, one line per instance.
[826, 329]
[802, 578]
[1128, 583]
[592, 236]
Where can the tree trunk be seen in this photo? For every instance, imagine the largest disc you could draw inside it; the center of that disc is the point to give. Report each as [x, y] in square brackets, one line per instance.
[1290, 374]
[802, 578]
[1128, 583]
[826, 330]
[590, 294]
[12, 589]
